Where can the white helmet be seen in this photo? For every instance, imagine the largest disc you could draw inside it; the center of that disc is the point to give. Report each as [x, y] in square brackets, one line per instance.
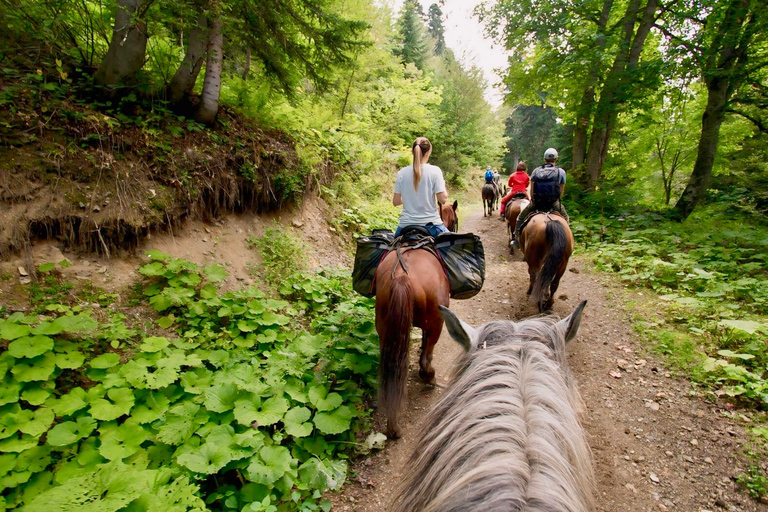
[550, 154]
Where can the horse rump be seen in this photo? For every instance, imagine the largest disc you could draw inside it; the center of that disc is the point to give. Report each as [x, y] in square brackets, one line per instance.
[557, 240]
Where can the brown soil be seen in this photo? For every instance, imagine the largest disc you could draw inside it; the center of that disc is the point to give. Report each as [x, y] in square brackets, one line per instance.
[656, 444]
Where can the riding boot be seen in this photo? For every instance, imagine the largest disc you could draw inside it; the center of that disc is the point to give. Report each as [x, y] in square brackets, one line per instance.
[520, 219]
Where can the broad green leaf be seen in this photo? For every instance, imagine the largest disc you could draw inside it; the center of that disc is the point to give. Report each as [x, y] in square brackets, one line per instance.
[323, 474]
[295, 422]
[37, 368]
[35, 395]
[153, 344]
[322, 400]
[181, 422]
[40, 422]
[215, 273]
[334, 422]
[119, 442]
[70, 360]
[155, 268]
[730, 353]
[75, 323]
[104, 361]
[220, 398]
[18, 444]
[120, 403]
[247, 409]
[197, 380]
[296, 389]
[70, 403]
[30, 346]
[270, 318]
[45, 267]
[208, 292]
[207, 459]
[748, 326]
[160, 302]
[11, 331]
[165, 321]
[154, 254]
[271, 464]
[70, 432]
[150, 407]
[35, 459]
[9, 390]
[271, 410]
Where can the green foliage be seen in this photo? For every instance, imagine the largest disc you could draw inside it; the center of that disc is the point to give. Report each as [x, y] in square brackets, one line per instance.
[234, 406]
[712, 286]
[280, 254]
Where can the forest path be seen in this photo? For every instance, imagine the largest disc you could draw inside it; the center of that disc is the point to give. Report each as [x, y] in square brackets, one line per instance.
[655, 445]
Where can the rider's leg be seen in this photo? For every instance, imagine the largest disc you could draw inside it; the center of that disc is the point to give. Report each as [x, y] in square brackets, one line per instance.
[398, 231]
[435, 230]
[520, 218]
[561, 211]
[504, 201]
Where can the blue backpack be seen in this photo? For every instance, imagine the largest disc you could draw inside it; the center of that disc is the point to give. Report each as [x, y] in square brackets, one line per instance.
[488, 176]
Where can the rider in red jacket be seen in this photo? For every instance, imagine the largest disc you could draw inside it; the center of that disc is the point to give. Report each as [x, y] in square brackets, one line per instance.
[518, 184]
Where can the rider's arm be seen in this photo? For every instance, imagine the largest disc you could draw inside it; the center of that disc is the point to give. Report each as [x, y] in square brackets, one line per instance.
[562, 189]
[442, 197]
[397, 199]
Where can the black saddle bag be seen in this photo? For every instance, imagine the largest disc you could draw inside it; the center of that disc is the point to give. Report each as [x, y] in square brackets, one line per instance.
[463, 257]
[370, 251]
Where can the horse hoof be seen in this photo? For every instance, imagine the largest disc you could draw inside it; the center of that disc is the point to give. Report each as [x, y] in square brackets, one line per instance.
[393, 433]
[427, 377]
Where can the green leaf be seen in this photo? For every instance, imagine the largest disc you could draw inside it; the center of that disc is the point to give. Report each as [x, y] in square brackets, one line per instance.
[220, 398]
[9, 390]
[322, 400]
[152, 406]
[122, 400]
[35, 395]
[323, 474]
[46, 267]
[69, 432]
[271, 410]
[334, 422]
[40, 423]
[208, 292]
[730, 353]
[30, 346]
[18, 444]
[270, 318]
[181, 422]
[104, 361]
[215, 273]
[294, 421]
[11, 331]
[165, 321]
[69, 403]
[70, 360]
[154, 254]
[37, 368]
[75, 323]
[119, 442]
[160, 302]
[207, 459]
[748, 326]
[154, 344]
[271, 464]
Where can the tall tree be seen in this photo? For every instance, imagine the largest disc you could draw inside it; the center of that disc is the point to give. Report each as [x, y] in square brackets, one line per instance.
[186, 75]
[729, 49]
[209, 99]
[435, 27]
[128, 46]
[411, 44]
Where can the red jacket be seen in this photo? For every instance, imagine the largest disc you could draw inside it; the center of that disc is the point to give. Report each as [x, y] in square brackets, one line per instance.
[519, 181]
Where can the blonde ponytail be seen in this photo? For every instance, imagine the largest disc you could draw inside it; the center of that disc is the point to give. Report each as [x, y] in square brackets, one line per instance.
[420, 147]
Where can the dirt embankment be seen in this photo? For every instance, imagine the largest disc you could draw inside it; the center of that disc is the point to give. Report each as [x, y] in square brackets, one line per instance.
[656, 444]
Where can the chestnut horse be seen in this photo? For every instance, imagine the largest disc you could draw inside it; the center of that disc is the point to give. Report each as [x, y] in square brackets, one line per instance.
[547, 243]
[410, 287]
[449, 217]
[514, 207]
[489, 194]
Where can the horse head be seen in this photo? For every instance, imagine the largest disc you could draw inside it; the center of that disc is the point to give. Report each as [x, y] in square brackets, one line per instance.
[449, 216]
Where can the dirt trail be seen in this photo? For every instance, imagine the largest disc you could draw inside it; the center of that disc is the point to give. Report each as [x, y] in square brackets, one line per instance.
[656, 445]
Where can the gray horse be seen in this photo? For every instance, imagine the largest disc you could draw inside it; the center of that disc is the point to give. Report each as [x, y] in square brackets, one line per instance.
[506, 434]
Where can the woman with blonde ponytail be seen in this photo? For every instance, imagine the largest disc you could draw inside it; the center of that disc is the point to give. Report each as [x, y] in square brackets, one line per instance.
[419, 188]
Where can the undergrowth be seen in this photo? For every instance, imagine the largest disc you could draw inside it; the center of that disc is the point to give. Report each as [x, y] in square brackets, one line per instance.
[225, 402]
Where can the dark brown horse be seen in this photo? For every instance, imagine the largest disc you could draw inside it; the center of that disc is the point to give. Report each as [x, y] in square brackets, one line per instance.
[403, 300]
[449, 217]
[489, 199]
[547, 243]
[513, 209]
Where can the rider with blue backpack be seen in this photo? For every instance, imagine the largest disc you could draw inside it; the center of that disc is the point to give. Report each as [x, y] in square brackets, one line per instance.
[546, 189]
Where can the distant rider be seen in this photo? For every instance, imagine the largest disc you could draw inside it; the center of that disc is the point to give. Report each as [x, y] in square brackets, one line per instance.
[518, 184]
[546, 188]
[416, 188]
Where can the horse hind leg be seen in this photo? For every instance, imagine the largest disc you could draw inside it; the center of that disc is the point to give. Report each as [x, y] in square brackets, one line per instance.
[552, 290]
[532, 276]
[429, 337]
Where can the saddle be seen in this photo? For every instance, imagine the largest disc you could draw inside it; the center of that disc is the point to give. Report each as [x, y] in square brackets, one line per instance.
[411, 238]
[535, 213]
[519, 195]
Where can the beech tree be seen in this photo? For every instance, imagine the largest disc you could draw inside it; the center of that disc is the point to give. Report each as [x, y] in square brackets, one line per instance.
[128, 46]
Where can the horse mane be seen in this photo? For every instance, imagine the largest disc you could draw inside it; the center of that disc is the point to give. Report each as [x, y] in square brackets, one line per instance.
[506, 435]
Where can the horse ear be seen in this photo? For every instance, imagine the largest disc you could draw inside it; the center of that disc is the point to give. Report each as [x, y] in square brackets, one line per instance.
[463, 333]
[572, 322]
[455, 205]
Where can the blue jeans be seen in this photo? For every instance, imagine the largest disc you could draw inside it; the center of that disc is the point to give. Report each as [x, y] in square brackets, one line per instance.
[434, 229]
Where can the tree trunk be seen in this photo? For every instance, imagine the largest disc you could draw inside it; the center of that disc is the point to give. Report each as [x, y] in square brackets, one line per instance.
[247, 69]
[584, 113]
[128, 47]
[717, 98]
[183, 82]
[209, 99]
[610, 100]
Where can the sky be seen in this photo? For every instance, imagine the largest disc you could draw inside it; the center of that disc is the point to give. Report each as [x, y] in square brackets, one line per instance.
[464, 35]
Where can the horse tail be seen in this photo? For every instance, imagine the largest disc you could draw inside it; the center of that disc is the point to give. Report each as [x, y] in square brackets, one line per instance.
[557, 241]
[393, 368]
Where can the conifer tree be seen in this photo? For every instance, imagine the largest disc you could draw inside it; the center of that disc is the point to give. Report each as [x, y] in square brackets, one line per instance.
[436, 29]
[410, 35]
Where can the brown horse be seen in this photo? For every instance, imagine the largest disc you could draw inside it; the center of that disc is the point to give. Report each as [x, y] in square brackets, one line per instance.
[514, 207]
[547, 243]
[449, 217]
[405, 299]
[489, 194]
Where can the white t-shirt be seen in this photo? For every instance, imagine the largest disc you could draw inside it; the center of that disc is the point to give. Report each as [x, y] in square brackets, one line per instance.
[420, 207]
